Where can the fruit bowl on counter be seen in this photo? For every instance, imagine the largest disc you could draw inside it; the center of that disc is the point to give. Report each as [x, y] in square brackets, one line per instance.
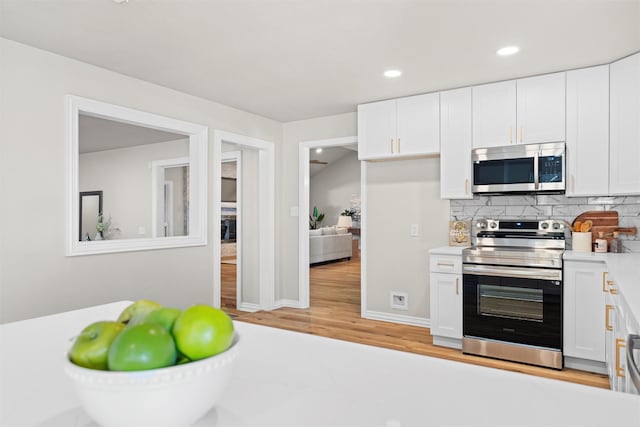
[153, 370]
[175, 396]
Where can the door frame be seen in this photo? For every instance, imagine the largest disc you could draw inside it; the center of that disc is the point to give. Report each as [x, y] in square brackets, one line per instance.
[304, 182]
[236, 156]
[266, 206]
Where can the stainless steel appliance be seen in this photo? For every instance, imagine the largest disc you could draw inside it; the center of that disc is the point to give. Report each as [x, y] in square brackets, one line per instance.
[519, 168]
[512, 291]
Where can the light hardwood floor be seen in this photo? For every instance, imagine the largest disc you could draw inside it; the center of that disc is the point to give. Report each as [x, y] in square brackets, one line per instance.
[335, 313]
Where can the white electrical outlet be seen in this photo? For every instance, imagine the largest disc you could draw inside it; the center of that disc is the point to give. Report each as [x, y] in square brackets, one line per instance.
[415, 230]
[399, 300]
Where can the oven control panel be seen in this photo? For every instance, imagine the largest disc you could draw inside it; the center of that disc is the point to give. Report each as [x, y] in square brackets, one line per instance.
[552, 225]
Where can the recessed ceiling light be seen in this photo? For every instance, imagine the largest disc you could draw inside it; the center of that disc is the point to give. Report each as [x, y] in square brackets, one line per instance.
[121, 1]
[392, 73]
[508, 50]
[318, 150]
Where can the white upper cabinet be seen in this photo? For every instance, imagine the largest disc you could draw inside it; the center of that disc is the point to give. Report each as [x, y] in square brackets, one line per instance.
[418, 128]
[494, 114]
[519, 111]
[624, 143]
[455, 144]
[588, 132]
[376, 129]
[541, 109]
[404, 127]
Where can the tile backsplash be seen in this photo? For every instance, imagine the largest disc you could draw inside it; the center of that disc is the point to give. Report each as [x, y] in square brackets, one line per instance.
[546, 206]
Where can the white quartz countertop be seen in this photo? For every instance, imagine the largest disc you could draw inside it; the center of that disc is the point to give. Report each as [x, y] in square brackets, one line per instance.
[447, 250]
[624, 269]
[285, 378]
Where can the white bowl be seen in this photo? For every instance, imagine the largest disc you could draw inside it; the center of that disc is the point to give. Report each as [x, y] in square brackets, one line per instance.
[174, 396]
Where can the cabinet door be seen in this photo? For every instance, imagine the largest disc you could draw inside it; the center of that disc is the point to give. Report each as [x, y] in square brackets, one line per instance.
[584, 311]
[446, 305]
[610, 339]
[541, 109]
[494, 114]
[376, 130]
[625, 126]
[588, 132]
[455, 144]
[418, 125]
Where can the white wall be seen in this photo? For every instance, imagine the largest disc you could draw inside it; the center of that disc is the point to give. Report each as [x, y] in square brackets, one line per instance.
[401, 193]
[35, 276]
[124, 176]
[332, 188]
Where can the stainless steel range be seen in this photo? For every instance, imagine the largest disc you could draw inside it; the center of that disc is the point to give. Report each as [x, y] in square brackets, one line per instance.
[512, 291]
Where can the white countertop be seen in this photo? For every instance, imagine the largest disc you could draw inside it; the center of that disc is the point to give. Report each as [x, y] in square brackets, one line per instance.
[624, 269]
[447, 250]
[285, 378]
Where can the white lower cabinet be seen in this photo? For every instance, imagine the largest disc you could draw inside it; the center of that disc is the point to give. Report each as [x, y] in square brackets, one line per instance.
[584, 310]
[446, 300]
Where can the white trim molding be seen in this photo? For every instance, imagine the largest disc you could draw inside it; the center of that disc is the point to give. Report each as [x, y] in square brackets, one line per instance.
[289, 303]
[397, 318]
[266, 202]
[198, 144]
[303, 208]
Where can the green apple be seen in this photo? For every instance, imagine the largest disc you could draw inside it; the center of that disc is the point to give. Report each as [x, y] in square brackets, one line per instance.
[141, 347]
[91, 347]
[136, 312]
[202, 331]
[165, 317]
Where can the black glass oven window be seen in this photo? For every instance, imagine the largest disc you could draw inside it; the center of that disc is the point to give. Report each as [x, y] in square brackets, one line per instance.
[510, 302]
[550, 168]
[507, 171]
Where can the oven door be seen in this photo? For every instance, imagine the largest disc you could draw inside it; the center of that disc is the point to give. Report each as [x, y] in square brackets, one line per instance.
[515, 305]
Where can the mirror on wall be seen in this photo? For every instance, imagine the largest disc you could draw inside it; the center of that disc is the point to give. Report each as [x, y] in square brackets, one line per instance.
[90, 212]
[151, 172]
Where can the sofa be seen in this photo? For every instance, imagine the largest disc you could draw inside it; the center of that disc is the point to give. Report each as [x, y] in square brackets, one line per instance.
[329, 244]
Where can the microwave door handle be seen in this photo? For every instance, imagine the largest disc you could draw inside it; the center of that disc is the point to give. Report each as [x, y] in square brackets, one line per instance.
[536, 171]
[633, 343]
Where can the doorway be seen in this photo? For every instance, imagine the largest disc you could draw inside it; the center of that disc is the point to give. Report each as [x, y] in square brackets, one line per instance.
[249, 220]
[231, 230]
[345, 196]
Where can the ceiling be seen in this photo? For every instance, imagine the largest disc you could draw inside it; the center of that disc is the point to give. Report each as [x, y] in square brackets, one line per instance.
[97, 134]
[295, 59]
[329, 155]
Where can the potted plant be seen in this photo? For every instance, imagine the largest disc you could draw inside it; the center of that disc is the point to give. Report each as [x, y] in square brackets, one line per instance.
[315, 219]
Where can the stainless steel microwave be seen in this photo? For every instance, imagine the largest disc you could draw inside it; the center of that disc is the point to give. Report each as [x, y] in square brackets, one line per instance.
[519, 168]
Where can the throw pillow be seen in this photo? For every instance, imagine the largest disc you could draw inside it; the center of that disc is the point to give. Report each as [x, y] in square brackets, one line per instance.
[327, 231]
[315, 232]
[341, 230]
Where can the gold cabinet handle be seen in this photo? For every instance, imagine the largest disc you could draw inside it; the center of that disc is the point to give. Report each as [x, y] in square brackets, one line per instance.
[619, 369]
[457, 285]
[604, 281]
[521, 132]
[391, 144]
[612, 290]
[466, 186]
[445, 264]
[573, 184]
[398, 147]
[510, 134]
[607, 318]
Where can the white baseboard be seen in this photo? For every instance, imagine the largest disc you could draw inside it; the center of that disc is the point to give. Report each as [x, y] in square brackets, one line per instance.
[585, 365]
[249, 306]
[397, 318]
[291, 303]
[447, 342]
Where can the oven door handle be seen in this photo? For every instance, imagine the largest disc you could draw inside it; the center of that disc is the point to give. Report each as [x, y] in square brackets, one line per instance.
[633, 343]
[524, 273]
